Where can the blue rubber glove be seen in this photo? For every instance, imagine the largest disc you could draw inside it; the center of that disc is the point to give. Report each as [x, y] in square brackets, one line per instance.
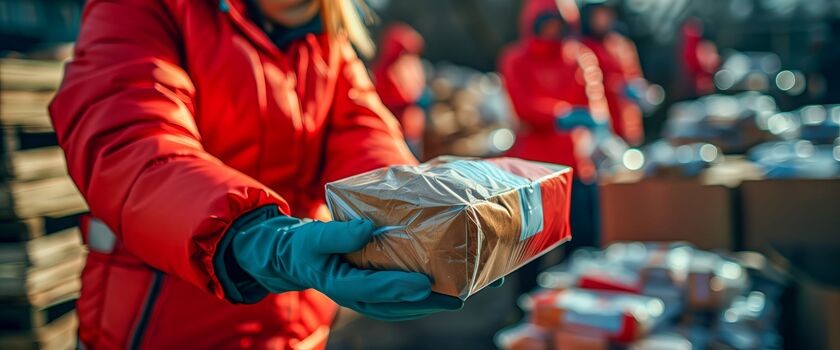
[634, 92]
[577, 117]
[287, 254]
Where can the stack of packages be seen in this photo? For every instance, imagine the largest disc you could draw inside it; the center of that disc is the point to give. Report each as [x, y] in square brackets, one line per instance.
[652, 296]
[808, 146]
[468, 114]
[802, 143]
[732, 123]
[41, 254]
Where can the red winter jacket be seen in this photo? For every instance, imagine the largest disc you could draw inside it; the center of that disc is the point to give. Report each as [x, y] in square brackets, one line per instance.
[619, 62]
[178, 116]
[699, 58]
[399, 77]
[544, 80]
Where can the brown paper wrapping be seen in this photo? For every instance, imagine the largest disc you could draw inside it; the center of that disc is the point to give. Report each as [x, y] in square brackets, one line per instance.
[442, 225]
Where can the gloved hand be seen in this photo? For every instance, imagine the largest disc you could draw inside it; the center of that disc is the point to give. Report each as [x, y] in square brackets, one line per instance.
[635, 91]
[578, 117]
[288, 254]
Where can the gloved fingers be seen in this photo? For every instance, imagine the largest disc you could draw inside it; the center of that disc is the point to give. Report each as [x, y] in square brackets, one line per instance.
[338, 237]
[374, 286]
[410, 310]
[497, 283]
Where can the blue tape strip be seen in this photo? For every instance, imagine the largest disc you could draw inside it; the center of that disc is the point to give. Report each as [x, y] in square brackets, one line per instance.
[530, 198]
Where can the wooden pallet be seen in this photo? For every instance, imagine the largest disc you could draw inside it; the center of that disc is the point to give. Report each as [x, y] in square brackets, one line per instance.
[20, 282]
[30, 153]
[30, 199]
[28, 144]
[41, 255]
[57, 335]
[34, 164]
[25, 108]
[30, 75]
[67, 287]
[21, 316]
[19, 138]
[27, 229]
[42, 251]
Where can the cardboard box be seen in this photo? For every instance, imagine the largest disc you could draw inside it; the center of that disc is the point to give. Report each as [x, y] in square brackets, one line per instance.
[669, 210]
[785, 212]
[463, 222]
[817, 305]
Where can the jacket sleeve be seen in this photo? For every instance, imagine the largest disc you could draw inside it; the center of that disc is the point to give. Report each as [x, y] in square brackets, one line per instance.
[532, 107]
[625, 115]
[363, 135]
[627, 55]
[124, 117]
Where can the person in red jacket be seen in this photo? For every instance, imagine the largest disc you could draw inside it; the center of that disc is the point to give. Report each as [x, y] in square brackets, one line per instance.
[555, 87]
[400, 80]
[699, 60]
[199, 131]
[619, 61]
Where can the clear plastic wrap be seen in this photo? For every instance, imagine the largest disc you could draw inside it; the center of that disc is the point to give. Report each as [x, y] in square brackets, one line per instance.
[464, 222]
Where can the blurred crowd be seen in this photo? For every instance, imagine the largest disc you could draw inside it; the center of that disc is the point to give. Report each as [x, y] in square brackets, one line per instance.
[571, 90]
[572, 79]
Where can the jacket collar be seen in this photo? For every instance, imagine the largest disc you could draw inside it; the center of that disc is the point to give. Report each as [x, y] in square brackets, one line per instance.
[236, 11]
[282, 36]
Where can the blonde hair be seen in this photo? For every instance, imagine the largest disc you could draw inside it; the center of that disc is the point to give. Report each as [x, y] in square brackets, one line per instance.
[343, 17]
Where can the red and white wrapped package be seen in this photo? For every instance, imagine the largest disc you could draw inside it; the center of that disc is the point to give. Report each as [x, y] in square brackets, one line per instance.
[617, 316]
[607, 275]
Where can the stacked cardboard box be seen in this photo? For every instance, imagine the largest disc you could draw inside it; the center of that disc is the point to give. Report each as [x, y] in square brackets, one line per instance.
[790, 211]
[729, 206]
[702, 210]
[41, 253]
[814, 315]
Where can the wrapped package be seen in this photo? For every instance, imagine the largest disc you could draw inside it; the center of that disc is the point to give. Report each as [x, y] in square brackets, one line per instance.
[525, 336]
[713, 282]
[665, 341]
[464, 222]
[607, 275]
[574, 340]
[616, 316]
[753, 310]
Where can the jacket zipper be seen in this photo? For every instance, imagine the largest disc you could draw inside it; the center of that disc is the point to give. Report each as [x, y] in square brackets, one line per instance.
[146, 311]
[261, 41]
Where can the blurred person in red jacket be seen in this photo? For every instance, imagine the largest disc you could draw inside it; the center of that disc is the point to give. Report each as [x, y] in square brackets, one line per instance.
[400, 80]
[200, 133]
[555, 87]
[619, 61]
[699, 59]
